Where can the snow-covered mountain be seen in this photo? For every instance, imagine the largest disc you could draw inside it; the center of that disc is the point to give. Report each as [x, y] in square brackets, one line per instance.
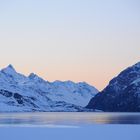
[122, 93]
[32, 93]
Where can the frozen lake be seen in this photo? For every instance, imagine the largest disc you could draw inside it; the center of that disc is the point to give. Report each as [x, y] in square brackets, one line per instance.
[69, 126]
[67, 119]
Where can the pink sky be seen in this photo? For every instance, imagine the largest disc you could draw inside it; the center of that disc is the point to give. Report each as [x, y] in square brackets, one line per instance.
[74, 40]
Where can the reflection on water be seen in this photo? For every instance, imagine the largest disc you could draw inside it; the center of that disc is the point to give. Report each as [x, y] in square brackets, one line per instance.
[73, 119]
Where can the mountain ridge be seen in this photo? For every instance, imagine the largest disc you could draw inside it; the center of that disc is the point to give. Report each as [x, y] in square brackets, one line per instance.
[33, 93]
[122, 93]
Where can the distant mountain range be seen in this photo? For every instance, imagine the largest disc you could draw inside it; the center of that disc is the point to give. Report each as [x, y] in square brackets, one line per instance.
[19, 93]
[122, 94]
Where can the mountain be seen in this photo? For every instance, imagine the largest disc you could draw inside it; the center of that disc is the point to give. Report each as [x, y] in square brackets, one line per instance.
[122, 94]
[32, 93]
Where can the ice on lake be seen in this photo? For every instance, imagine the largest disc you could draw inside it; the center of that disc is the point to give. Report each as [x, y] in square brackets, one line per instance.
[70, 126]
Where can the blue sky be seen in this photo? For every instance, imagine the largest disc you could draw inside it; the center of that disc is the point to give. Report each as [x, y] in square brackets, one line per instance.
[79, 40]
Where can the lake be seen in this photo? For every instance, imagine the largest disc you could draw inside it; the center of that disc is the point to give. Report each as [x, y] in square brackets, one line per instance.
[69, 126]
[68, 119]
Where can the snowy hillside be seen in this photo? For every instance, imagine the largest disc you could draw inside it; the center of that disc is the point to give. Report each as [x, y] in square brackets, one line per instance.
[32, 93]
[122, 94]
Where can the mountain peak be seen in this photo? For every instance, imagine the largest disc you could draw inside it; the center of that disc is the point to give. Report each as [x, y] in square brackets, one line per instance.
[9, 69]
[32, 76]
[10, 66]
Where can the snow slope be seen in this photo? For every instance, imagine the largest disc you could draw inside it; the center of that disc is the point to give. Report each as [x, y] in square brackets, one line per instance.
[32, 93]
[122, 94]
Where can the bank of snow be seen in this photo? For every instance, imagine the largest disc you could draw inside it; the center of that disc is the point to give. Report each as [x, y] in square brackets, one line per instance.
[97, 132]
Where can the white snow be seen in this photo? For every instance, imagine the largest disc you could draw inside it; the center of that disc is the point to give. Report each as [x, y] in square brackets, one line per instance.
[46, 94]
[95, 132]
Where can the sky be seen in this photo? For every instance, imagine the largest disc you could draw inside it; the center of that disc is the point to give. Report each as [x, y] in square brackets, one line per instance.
[78, 40]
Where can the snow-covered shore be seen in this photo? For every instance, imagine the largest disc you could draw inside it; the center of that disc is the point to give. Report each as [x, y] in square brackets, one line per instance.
[94, 132]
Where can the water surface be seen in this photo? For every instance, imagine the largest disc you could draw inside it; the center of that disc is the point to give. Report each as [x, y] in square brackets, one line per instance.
[67, 119]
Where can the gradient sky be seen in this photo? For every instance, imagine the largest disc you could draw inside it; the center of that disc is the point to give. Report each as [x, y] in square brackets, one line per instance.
[79, 40]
